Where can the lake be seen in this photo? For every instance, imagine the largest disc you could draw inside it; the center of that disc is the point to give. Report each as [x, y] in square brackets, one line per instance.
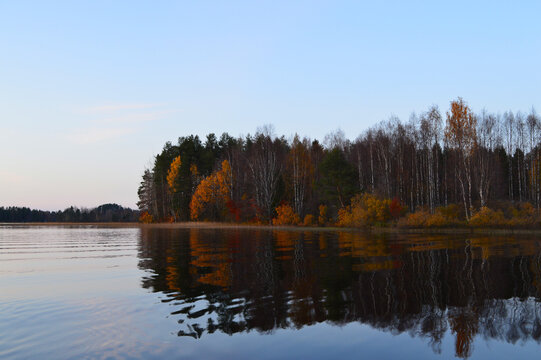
[75, 292]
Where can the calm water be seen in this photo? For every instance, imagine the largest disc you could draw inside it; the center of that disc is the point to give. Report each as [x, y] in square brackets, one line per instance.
[87, 292]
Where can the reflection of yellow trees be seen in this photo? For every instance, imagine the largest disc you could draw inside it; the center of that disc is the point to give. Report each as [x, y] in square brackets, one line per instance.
[373, 250]
[483, 247]
[322, 244]
[171, 276]
[284, 244]
[285, 282]
[428, 243]
[217, 261]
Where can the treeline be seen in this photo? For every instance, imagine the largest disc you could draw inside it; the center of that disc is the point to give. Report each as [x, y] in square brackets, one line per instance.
[432, 161]
[102, 213]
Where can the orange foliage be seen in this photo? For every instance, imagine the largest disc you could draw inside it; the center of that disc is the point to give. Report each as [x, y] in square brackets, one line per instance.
[173, 172]
[461, 127]
[322, 218]
[146, 218]
[309, 220]
[285, 215]
[214, 190]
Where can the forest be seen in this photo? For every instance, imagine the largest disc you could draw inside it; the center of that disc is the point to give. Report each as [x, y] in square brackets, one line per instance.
[102, 213]
[452, 169]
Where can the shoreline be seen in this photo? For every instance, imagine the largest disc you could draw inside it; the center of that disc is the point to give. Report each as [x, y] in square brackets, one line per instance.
[218, 225]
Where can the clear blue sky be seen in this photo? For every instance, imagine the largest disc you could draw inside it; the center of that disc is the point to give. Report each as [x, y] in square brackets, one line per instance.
[91, 90]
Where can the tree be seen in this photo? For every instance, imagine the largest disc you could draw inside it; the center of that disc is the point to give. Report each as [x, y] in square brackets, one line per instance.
[146, 193]
[300, 171]
[430, 129]
[265, 167]
[173, 180]
[212, 194]
[487, 142]
[460, 133]
[338, 178]
[285, 215]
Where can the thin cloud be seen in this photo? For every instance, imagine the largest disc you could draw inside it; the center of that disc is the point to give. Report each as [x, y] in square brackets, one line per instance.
[122, 107]
[95, 135]
[135, 117]
[9, 177]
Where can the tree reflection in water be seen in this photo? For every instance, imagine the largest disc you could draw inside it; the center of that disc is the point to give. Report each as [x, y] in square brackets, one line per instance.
[237, 280]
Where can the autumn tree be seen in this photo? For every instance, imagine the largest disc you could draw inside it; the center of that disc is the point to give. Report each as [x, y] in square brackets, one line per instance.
[173, 180]
[286, 215]
[212, 194]
[460, 132]
[478, 160]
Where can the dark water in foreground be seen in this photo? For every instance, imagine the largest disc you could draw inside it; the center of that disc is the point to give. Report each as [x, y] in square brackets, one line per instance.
[83, 292]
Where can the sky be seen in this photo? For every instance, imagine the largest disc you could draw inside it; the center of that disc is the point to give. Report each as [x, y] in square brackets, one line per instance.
[91, 90]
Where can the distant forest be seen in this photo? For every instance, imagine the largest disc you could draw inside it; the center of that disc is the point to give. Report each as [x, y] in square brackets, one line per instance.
[457, 165]
[102, 213]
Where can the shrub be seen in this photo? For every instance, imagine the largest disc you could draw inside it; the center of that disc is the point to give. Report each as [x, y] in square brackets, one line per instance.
[322, 218]
[396, 209]
[365, 210]
[309, 220]
[524, 215]
[487, 217]
[450, 212]
[418, 218]
[146, 218]
[285, 215]
[442, 217]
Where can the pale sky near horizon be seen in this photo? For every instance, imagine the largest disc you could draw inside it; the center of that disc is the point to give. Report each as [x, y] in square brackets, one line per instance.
[91, 90]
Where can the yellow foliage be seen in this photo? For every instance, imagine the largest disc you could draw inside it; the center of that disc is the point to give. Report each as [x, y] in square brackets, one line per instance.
[309, 220]
[214, 189]
[418, 218]
[285, 215]
[525, 215]
[487, 217]
[146, 218]
[172, 174]
[442, 217]
[365, 210]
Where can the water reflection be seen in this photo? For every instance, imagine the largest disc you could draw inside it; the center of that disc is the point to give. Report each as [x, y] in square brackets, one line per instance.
[237, 281]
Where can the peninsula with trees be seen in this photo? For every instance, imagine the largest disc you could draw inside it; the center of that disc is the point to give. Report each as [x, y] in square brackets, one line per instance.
[457, 169]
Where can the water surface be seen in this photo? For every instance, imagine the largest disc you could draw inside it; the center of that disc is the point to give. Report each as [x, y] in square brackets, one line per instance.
[89, 292]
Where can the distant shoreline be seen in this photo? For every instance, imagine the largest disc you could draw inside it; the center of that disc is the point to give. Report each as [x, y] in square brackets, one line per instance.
[218, 225]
